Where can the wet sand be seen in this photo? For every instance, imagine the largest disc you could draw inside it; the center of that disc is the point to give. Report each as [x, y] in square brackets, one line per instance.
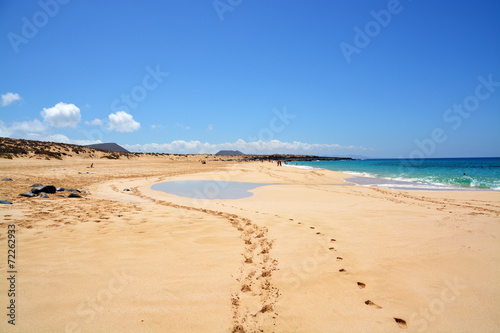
[317, 255]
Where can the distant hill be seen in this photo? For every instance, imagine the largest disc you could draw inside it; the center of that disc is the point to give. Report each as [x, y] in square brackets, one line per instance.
[229, 152]
[111, 146]
[10, 148]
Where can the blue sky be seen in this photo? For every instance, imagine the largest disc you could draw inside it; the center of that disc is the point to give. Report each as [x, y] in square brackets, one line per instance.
[373, 78]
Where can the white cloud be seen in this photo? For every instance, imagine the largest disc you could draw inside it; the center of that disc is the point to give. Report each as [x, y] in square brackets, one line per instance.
[59, 138]
[95, 122]
[34, 126]
[256, 147]
[210, 127]
[182, 126]
[10, 98]
[36, 130]
[62, 115]
[122, 122]
[17, 128]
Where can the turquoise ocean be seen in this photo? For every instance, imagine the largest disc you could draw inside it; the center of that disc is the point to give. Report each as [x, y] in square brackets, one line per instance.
[432, 173]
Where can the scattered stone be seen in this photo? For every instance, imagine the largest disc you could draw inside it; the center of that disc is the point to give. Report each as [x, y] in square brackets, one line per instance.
[72, 190]
[127, 190]
[59, 189]
[46, 189]
[74, 195]
[7, 179]
[49, 189]
[84, 191]
[36, 185]
[59, 195]
[36, 190]
[5, 202]
[28, 194]
[45, 196]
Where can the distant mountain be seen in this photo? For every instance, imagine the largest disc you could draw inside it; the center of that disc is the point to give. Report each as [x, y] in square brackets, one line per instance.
[359, 157]
[111, 146]
[229, 152]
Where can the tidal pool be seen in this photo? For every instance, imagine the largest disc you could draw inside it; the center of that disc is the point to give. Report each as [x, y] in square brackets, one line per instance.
[208, 189]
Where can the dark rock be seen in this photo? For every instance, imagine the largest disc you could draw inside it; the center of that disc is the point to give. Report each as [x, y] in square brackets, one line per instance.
[74, 195]
[49, 189]
[28, 194]
[5, 202]
[36, 185]
[59, 189]
[126, 190]
[7, 179]
[36, 190]
[59, 195]
[46, 189]
[72, 190]
[84, 191]
[45, 196]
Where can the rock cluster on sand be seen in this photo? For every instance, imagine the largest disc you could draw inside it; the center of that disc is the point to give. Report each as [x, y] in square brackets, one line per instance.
[42, 190]
[5, 202]
[45, 189]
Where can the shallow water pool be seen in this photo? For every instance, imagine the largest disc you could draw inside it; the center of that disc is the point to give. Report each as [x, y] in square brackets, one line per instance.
[208, 189]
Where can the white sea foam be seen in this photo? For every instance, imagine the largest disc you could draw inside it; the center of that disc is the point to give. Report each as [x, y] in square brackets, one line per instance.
[400, 184]
[303, 167]
[356, 173]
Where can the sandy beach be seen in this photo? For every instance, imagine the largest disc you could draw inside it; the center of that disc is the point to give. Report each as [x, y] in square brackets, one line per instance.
[310, 253]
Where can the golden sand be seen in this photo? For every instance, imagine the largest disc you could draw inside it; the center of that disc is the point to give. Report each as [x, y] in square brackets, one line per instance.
[309, 254]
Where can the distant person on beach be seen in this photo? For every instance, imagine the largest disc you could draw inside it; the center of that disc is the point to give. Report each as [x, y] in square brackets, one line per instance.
[92, 165]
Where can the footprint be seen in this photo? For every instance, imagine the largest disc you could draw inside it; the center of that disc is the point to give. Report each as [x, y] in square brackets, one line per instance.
[312, 227]
[342, 270]
[246, 288]
[339, 258]
[361, 285]
[370, 303]
[332, 240]
[266, 308]
[401, 322]
[332, 248]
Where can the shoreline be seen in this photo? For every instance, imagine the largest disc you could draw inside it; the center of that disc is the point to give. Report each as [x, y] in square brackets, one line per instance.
[405, 184]
[359, 257]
